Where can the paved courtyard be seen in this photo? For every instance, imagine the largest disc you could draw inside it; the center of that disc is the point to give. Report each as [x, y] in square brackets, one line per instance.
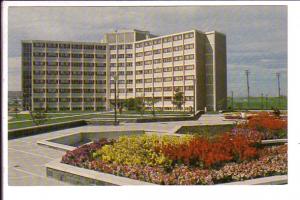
[26, 159]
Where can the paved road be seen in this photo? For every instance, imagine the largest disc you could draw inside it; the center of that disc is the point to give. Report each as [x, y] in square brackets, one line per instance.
[26, 159]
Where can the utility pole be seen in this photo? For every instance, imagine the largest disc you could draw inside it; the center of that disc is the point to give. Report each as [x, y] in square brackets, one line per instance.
[232, 100]
[115, 81]
[266, 102]
[278, 84]
[262, 101]
[248, 89]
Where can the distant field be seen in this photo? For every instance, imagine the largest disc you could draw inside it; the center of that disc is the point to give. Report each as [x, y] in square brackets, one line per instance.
[258, 103]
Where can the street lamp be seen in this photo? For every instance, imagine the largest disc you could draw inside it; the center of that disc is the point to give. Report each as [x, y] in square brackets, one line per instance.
[115, 82]
[194, 99]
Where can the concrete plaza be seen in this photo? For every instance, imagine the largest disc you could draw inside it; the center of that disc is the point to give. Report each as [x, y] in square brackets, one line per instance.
[26, 159]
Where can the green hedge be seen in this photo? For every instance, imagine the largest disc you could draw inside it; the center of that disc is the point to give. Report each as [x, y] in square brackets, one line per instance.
[23, 132]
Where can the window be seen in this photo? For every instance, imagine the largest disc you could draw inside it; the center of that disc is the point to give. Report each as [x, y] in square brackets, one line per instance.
[139, 89]
[190, 77]
[157, 89]
[189, 67]
[148, 62]
[113, 65]
[148, 71]
[129, 55]
[88, 55]
[178, 88]
[158, 41]
[188, 35]
[158, 70]
[178, 58]
[101, 56]
[129, 64]
[64, 73]
[100, 90]
[148, 43]
[189, 57]
[129, 90]
[101, 81]
[167, 89]
[76, 46]
[128, 46]
[157, 51]
[120, 46]
[101, 73]
[167, 79]
[138, 72]
[88, 73]
[139, 54]
[52, 45]
[88, 64]
[88, 47]
[129, 81]
[88, 81]
[157, 61]
[167, 50]
[167, 69]
[140, 63]
[167, 98]
[189, 46]
[112, 47]
[51, 55]
[121, 64]
[177, 48]
[100, 64]
[38, 54]
[178, 68]
[139, 81]
[100, 47]
[120, 55]
[189, 98]
[121, 73]
[167, 39]
[121, 81]
[178, 78]
[148, 53]
[113, 56]
[139, 45]
[165, 60]
[76, 73]
[148, 89]
[76, 55]
[148, 80]
[157, 80]
[177, 37]
[188, 88]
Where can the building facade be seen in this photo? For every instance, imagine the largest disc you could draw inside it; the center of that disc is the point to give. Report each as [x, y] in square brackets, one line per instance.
[62, 75]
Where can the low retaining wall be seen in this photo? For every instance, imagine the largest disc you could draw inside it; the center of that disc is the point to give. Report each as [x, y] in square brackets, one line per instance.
[82, 176]
[22, 132]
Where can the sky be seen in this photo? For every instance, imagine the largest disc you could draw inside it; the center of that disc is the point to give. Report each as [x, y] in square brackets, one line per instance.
[256, 35]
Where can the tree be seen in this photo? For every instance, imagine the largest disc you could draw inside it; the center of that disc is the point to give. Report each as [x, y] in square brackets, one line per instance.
[120, 106]
[221, 104]
[15, 108]
[140, 105]
[38, 115]
[129, 104]
[178, 100]
[151, 103]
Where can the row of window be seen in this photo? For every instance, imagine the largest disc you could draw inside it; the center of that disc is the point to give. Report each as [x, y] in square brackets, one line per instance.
[165, 60]
[121, 81]
[165, 69]
[127, 64]
[68, 55]
[88, 73]
[128, 90]
[165, 79]
[38, 81]
[165, 50]
[165, 40]
[67, 64]
[40, 90]
[68, 46]
[120, 46]
[166, 89]
[69, 99]
[114, 56]
[121, 73]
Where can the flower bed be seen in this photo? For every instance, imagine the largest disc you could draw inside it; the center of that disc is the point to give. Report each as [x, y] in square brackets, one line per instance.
[190, 160]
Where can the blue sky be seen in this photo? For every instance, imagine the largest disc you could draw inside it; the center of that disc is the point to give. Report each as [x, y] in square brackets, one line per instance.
[256, 35]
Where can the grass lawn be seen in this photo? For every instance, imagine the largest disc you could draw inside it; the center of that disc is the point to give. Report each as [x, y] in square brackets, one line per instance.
[258, 103]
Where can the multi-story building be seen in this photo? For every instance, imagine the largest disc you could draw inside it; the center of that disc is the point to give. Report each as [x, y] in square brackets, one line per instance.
[65, 75]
